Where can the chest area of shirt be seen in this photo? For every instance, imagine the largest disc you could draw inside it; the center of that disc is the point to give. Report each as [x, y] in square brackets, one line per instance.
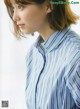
[47, 69]
[45, 78]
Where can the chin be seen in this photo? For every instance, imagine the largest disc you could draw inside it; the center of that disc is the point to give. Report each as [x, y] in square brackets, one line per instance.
[27, 32]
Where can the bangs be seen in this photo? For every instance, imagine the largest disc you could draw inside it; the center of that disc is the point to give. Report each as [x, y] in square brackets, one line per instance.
[24, 2]
[10, 2]
[7, 2]
[30, 1]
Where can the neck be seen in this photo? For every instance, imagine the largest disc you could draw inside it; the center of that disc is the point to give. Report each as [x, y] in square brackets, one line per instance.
[46, 32]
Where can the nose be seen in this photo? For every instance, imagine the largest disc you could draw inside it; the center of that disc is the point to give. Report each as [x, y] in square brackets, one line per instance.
[16, 16]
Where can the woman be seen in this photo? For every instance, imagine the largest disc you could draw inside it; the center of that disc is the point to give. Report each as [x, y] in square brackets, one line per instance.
[53, 62]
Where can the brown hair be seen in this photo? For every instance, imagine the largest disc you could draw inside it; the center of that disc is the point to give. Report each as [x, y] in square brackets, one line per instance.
[60, 17]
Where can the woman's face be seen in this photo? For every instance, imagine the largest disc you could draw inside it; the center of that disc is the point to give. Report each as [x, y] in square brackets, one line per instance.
[29, 18]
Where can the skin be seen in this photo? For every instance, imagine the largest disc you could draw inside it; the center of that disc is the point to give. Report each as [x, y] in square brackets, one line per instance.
[31, 18]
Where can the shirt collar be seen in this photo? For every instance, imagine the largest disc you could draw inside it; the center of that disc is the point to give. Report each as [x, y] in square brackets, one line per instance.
[53, 41]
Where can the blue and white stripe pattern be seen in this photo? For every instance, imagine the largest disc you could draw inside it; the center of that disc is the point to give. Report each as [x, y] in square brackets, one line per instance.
[53, 72]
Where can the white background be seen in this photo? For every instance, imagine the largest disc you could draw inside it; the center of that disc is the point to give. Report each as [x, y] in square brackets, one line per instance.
[12, 60]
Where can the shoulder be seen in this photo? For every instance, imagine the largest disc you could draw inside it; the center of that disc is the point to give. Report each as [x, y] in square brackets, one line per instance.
[72, 43]
[70, 48]
[73, 39]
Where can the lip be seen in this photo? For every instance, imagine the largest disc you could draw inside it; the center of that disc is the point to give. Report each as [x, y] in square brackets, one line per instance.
[20, 25]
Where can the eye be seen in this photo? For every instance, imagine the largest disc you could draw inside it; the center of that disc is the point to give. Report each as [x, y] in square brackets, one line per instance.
[20, 6]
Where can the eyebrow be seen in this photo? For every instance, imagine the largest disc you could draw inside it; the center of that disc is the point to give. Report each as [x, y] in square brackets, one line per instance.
[22, 2]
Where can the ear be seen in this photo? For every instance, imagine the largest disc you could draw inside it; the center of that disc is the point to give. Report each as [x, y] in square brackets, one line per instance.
[49, 8]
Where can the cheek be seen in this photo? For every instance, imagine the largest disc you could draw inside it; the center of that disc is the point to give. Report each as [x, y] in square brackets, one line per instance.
[34, 17]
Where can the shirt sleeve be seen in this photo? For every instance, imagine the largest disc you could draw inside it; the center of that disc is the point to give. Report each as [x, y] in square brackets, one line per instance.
[73, 82]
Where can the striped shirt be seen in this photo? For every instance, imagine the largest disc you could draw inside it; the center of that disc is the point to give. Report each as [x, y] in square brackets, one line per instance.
[53, 72]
